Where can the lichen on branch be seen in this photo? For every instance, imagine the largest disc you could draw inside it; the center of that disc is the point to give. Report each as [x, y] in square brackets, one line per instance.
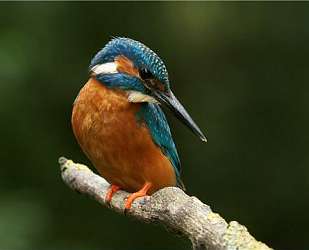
[182, 214]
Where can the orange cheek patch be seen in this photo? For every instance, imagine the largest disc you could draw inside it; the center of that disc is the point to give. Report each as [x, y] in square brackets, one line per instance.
[160, 86]
[125, 65]
[156, 84]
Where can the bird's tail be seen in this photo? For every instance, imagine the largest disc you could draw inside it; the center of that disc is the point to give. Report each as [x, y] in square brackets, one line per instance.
[180, 184]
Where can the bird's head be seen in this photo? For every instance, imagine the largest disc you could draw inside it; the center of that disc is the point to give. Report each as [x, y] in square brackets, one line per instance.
[131, 66]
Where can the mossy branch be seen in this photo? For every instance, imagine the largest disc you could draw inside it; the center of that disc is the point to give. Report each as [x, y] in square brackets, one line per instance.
[182, 214]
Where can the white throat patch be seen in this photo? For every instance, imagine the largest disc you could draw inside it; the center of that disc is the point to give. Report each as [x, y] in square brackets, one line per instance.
[136, 97]
[133, 96]
[105, 68]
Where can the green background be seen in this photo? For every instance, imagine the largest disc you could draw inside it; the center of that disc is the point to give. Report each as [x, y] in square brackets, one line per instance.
[240, 69]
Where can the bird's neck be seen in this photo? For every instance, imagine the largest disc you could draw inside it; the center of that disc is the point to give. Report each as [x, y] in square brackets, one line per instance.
[150, 114]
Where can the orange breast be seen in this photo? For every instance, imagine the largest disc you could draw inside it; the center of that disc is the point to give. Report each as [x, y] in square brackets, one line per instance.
[122, 150]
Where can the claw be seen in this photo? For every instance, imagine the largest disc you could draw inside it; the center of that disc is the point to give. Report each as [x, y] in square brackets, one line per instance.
[137, 194]
[111, 191]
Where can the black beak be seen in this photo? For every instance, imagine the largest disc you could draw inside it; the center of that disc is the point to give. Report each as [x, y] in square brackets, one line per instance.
[175, 106]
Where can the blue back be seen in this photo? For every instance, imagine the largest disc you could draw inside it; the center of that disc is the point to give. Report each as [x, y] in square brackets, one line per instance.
[155, 119]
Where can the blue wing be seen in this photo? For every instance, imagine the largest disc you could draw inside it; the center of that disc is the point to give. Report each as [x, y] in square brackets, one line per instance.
[155, 119]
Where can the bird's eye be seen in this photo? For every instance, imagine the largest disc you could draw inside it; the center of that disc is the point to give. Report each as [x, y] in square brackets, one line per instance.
[145, 74]
[150, 81]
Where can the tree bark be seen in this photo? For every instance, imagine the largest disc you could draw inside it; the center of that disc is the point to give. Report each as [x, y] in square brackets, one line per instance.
[180, 213]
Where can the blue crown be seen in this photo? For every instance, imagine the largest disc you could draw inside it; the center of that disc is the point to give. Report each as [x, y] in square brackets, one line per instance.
[138, 53]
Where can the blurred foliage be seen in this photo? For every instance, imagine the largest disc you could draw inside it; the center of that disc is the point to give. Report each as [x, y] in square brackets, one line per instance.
[241, 69]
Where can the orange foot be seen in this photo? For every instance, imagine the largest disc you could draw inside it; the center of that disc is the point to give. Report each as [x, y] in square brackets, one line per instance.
[137, 194]
[111, 191]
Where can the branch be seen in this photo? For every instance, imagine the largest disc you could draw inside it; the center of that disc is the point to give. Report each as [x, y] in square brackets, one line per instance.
[170, 206]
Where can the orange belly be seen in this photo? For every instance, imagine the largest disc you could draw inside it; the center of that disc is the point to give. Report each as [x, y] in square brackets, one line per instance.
[122, 150]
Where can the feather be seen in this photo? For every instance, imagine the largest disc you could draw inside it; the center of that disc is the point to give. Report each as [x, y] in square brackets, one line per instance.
[155, 119]
[136, 97]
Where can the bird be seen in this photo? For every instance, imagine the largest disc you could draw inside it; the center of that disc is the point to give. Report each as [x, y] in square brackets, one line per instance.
[119, 124]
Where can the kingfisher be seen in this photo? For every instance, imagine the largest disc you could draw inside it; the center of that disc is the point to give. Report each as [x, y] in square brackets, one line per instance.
[119, 124]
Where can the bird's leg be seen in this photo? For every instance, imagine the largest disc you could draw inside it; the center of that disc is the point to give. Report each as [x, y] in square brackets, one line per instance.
[111, 191]
[137, 194]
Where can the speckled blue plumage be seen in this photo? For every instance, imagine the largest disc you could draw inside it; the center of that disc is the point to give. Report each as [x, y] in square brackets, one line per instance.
[150, 113]
[141, 55]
